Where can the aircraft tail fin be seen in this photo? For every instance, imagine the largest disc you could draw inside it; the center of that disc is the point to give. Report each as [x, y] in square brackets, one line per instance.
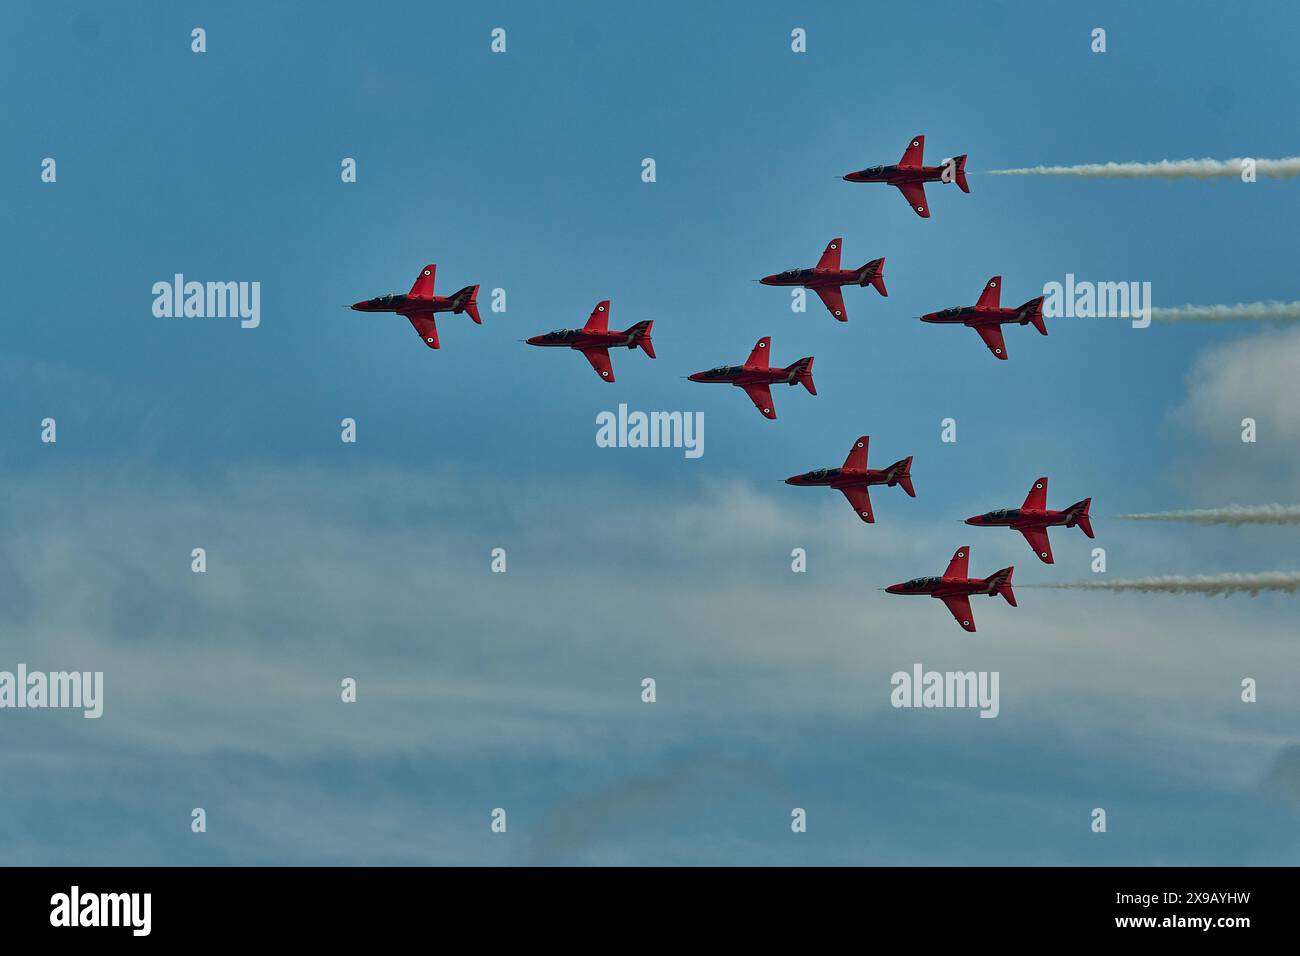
[803, 374]
[467, 301]
[1001, 582]
[641, 337]
[873, 274]
[961, 172]
[1079, 516]
[903, 475]
[1032, 311]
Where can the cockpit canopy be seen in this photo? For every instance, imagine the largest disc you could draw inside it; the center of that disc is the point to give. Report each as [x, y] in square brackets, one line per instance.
[822, 473]
[793, 273]
[559, 334]
[872, 171]
[1002, 514]
[385, 299]
[922, 582]
[955, 310]
[724, 370]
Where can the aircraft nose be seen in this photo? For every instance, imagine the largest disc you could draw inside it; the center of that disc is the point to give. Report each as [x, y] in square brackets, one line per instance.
[895, 589]
[793, 480]
[972, 521]
[358, 306]
[768, 280]
[695, 377]
[535, 340]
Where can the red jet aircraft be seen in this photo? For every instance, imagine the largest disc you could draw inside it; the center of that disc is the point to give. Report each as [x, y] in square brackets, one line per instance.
[756, 377]
[594, 340]
[911, 174]
[420, 304]
[987, 316]
[854, 478]
[1033, 518]
[826, 277]
[955, 588]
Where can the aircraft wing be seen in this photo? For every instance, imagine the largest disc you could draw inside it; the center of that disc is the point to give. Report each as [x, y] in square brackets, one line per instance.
[830, 260]
[857, 458]
[1040, 542]
[959, 565]
[761, 396]
[914, 155]
[599, 321]
[599, 359]
[914, 193]
[1036, 500]
[992, 336]
[758, 357]
[860, 498]
[422, 288]
[833, 298]
[425, 325]
[991, 297]
[959, 606]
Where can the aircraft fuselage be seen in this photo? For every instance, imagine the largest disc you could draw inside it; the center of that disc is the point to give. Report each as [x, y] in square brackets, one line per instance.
[1021, 518]
[748, 375]
[845, 477]
[896, 174]
[943, 587]
[403, 303]
[973, 316]
[584, 339]
[818, 278]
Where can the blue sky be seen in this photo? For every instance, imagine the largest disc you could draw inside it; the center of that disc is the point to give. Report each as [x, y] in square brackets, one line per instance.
[522, 171]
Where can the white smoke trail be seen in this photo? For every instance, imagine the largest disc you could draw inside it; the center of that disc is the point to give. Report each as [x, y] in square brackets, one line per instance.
[1241, 312]
[1233, 514]
[1251, 584]
[1165, 169]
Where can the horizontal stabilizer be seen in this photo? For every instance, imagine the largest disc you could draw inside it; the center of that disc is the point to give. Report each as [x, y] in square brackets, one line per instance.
[1078, 515]
[1032, 311]
[960, 162]
[902, 471]
[804, 374]
[873, 274]
[1001, 581]
[466, 300]
[641, 337]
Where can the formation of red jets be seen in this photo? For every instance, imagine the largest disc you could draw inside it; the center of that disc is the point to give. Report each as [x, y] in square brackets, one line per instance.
[757, 375]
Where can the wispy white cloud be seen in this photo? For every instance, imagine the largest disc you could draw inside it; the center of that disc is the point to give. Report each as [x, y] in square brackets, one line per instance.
[1252, 377]
[383, 578]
